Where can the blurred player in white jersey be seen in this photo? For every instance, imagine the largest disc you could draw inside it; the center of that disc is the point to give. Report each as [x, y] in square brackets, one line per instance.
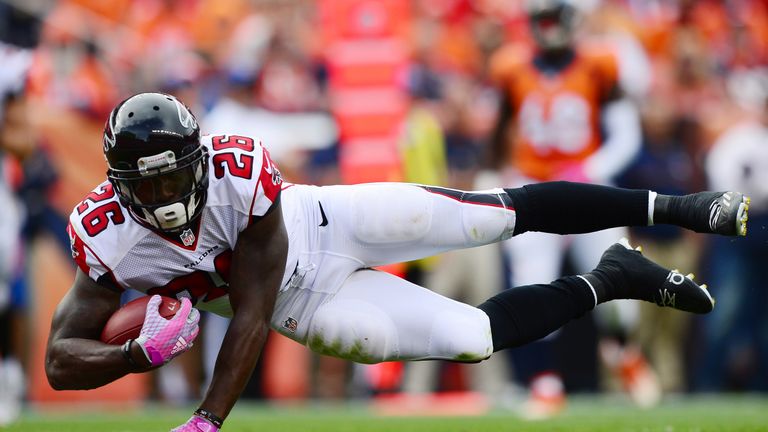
[209, 220]
[15, 145]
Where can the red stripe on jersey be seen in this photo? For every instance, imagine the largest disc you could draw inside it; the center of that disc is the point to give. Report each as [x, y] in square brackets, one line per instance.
[78, 249]
[474, 198]
[78, 255]
[270, 179]
[109, 272]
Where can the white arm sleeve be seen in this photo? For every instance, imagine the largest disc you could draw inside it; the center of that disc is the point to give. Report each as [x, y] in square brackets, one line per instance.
[622, 126]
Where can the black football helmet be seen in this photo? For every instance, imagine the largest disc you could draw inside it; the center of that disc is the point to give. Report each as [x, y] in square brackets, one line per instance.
[157, 165]
[552, 23]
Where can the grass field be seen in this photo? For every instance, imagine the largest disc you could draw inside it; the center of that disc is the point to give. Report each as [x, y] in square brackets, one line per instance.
[700, 414]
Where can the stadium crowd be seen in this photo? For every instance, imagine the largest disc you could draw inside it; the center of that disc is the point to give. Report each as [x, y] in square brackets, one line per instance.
[696, 70]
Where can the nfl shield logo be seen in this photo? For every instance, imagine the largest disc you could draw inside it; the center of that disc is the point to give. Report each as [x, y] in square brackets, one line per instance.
[73, 248]
[291, 325]
[187, 237]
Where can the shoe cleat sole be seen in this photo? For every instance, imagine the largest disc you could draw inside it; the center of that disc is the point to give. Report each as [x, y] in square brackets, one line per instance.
[743, 215]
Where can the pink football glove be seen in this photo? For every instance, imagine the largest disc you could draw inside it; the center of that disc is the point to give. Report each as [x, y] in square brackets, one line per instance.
[196, 424]
[163, 339]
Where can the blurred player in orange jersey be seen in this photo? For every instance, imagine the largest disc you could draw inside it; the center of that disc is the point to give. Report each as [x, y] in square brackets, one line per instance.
[563, 116]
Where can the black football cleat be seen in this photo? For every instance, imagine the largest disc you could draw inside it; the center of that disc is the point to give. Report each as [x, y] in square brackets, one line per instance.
[722, 213]
[643, 279]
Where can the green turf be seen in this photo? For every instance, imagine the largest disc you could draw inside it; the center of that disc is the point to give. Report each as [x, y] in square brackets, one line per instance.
[701, 414]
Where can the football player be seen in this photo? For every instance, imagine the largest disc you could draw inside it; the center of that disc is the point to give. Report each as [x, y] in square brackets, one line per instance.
[563, 116]
[209, 220]
[16, 143]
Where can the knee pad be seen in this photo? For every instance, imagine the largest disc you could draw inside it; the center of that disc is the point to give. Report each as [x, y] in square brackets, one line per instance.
[353, 330]
[463, 336]
[391, 213]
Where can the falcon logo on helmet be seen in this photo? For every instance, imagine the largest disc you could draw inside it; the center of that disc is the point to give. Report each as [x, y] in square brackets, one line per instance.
[185, 116]
[157, 164]
[109, 139]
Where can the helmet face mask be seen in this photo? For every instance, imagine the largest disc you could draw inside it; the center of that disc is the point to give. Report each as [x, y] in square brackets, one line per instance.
[166, 198]
[157, 165]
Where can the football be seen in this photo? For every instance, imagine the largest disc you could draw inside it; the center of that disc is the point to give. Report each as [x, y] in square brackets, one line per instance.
[126, 322]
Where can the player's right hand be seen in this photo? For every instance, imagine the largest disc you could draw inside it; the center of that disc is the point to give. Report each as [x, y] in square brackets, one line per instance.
[163, 339]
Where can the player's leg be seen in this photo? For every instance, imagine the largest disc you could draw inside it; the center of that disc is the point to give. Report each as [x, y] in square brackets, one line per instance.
[484, 278]
[472, 276]
[570, 208]
[534, 258]
[446, 277]
[614, 318]
[623, 362]
[376, 316]
[524, 314]
[383, 223]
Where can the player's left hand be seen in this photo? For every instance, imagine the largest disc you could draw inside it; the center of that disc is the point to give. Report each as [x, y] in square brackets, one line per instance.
[196, 424]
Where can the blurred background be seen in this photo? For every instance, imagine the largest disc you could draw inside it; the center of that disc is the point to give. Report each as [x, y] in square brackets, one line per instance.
[670, 95]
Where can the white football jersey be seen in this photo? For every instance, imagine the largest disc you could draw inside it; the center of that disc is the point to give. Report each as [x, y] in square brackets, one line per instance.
[115, 250]
[13, 76]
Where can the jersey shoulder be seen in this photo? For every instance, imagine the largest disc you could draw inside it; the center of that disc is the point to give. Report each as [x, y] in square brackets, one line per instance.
[508, 61]
[602, 58]
[241, 174]
[101, 231]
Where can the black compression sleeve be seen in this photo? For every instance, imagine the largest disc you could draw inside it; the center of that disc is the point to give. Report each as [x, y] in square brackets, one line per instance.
[572, 208]
[524, 314]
